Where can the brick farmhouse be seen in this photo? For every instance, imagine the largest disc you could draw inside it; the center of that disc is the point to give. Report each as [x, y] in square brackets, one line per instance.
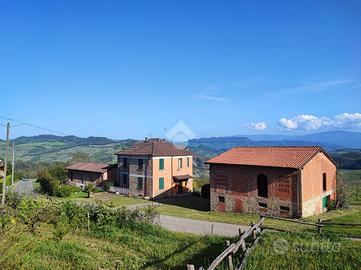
[279, 181]
[83, 173]
[154, 168]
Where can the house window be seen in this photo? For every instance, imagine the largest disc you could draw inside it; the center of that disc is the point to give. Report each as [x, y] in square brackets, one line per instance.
[262, 186]
[324, 181]
[161, 164]
[125, 162]
[140, 183]
[187, 161]
[180, 163]
[125, 179]
[161, 183]
[221, 199]
[140, 164]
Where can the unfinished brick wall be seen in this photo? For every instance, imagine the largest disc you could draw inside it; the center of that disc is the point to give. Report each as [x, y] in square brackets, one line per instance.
[237, 184]
[312, 184]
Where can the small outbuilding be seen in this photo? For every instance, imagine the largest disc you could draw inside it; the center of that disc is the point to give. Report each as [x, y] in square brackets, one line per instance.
[83, 173]
[279, 181]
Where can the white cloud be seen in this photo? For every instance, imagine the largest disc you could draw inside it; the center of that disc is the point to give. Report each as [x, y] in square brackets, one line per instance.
[311, 122]
[257, 126]
[211, 97]
[319, 86]
[209, 94]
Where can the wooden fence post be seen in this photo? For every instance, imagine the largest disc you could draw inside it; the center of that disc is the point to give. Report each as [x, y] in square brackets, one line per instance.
[319, 228]
[229, 257]
[254, 233]
[212, 229]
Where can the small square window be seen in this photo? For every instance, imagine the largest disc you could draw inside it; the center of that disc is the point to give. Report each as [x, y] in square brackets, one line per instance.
[264, 205]
[221, 199]
[285, 208]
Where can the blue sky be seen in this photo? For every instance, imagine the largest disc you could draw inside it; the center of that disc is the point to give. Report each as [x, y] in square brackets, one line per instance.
[126, 69]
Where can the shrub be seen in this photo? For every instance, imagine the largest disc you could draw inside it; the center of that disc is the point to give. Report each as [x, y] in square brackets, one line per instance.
[48, 184]
[206, 190]
[66, 190]
[89, 188]
[61, 226]
[106, 186]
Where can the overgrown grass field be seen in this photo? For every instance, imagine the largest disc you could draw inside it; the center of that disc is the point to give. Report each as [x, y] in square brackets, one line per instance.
[139, 247]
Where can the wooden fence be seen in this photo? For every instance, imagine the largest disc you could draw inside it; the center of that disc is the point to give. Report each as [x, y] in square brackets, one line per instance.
[256, 231]
[231, 249]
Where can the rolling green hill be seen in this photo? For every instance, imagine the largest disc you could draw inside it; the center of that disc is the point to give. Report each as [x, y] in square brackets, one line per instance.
[50, 148]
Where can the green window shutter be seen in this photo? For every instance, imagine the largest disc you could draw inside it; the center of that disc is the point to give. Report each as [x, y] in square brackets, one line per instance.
[161, 183]
[161, 164]
[325, 201]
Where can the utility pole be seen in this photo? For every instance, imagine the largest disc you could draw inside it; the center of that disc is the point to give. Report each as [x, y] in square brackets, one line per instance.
[5, 162]
[13, 165]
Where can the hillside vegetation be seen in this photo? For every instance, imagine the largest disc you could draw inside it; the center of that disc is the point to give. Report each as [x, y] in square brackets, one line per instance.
[50, 148]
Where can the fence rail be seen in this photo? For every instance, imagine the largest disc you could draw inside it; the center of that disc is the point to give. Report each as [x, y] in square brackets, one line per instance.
[234, 247]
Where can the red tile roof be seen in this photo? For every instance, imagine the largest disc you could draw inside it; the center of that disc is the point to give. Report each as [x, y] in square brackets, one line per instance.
[88, 167]
[154, 148]
[277, 156]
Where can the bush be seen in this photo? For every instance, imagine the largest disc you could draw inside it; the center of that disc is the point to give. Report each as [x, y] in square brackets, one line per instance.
[89, 189]
[61, 226]
[48, 184]
[106, 186]
[206, 191]
[66, 190]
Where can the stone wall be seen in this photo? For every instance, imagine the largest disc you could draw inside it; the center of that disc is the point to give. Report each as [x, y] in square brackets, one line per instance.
[133, 172]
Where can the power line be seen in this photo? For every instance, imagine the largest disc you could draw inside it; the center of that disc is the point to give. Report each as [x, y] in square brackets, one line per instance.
[21, 123]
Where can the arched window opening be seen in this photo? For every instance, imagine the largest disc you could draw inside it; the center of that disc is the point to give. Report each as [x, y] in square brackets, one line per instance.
[262, 186]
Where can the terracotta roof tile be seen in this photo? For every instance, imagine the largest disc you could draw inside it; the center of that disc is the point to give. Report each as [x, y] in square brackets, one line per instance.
[88, 167]
[155, 148]
[279, 156]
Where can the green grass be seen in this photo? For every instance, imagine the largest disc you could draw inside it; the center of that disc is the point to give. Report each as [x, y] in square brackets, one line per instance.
[304, 251]
[106, 198]
[352, 179]
[198, 208]
[137, 247]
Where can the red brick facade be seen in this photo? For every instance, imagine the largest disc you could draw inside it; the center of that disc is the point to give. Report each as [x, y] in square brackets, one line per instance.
[292, 192]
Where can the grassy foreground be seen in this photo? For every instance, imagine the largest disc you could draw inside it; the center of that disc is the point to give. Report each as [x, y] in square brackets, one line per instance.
[304, 251]
[139, 247]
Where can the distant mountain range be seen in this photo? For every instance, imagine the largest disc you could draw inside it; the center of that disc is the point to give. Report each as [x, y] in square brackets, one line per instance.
[49, 148]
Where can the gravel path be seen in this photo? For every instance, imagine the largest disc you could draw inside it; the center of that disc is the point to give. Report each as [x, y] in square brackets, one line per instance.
[187, 225]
